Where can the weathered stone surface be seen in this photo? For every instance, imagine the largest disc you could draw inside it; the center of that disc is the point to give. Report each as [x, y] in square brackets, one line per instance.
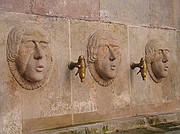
[82, 9]
[102, 115]
[135, 12]
[177, 70]
[38, 124]
[10, 109]
[141, 12]
[54, 98]
[64, 100]
[148, 123]
[20, 6]
[10, 100]
[161, 13]
[177, 14]
[89, 96]
[148, 91]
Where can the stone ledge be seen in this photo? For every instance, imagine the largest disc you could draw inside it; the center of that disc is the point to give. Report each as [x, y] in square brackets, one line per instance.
[118, 125]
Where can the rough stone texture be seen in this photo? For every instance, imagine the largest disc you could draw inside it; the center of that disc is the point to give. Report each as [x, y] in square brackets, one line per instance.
[54, 99]
[65, 100]
[177, 13]
[148, 91]
[128, 111]
[81, 9]
[20, 6]
[141, 12]
[11, 101]
[149, 122]
[45, 123]
[162, 13]
[177, 70]
[90, 96]
[135, 12]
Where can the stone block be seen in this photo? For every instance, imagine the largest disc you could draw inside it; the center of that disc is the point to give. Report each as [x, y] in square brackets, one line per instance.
[82, 9]
[53, 99]
[161, 13]
[39, 124]
[89, 96]
[144, 92]
[101, 115]
[177, 70]
[177, 14]
[135, 12]
[20, 6]
[142, 124]
[11, 100]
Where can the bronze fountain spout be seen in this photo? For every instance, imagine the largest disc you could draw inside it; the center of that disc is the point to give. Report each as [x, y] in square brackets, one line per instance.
[81, 65]
[142, 66]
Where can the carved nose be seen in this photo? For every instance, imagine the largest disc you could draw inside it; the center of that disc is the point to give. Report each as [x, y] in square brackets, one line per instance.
[165, 57]
[38, 52]
[112, 55]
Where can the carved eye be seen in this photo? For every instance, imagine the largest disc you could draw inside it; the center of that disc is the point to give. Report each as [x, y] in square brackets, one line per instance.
[105, 49]
[29, 44]
[166, 51]
[159, 52]
[115, 49]
[44, 45]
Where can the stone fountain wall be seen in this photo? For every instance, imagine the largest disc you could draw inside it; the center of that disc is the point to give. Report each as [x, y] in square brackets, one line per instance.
[64, 100]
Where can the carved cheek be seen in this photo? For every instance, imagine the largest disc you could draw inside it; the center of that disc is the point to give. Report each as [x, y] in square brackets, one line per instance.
[102, 52]
[48, 56]
[117, 53]
[158, 57]
[22, 58]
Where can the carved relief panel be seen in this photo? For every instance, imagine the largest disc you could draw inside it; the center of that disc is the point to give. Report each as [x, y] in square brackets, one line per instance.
[103, 57]
[157, 54]
[29, 56]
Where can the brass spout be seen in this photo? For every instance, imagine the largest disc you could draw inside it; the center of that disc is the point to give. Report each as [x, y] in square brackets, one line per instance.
[81, 65]
[142, 66]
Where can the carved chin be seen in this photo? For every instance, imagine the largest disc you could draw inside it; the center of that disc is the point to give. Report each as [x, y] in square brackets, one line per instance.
[33, 79]
[108, 75]
[96, 76]
[152, 74]
[28, 84]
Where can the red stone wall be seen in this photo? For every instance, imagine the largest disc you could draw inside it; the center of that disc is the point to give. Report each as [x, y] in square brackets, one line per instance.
[66, 101]
[148, 12]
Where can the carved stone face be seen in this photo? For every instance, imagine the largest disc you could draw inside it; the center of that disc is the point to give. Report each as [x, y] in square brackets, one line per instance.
[107, 62]
[29, 56]
[103, 57]
[157, 59]
[32, 57]
[160, 65]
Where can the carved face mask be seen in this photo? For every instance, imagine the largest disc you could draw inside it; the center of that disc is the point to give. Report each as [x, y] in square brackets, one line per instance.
[32, 61]
[157, 58]
[160, 65]
[107, 62]
[29, 55]
[103, 57]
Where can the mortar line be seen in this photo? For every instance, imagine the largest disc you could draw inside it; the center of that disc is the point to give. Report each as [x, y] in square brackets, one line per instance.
[70, 55]
[129, 75]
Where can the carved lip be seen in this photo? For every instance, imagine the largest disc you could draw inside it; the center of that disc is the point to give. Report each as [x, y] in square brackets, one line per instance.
[40, 68]
[113, 67]
[166, 68]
